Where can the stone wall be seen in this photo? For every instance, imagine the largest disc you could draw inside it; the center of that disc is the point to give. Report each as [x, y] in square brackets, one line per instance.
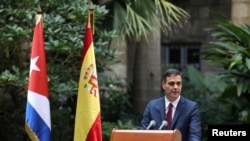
[201, 15]
[241, 11]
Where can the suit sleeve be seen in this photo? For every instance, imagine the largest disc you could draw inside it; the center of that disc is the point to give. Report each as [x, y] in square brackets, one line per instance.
[195, 125]
[146, 117]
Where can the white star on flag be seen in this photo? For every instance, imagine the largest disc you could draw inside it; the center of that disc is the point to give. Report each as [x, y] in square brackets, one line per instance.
[33, 65]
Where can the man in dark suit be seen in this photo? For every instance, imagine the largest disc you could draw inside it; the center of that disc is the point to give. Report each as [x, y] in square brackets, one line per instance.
[184, 114]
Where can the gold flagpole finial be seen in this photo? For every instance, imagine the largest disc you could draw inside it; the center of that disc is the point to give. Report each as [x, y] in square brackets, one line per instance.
[39, 10]
[91, 7]
[39, 13]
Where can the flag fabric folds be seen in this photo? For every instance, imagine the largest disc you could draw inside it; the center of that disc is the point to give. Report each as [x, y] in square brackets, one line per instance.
[37, 120]
[88, 117]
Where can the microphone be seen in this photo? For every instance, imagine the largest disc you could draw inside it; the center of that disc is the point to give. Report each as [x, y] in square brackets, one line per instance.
[163, 124]
[151, 124]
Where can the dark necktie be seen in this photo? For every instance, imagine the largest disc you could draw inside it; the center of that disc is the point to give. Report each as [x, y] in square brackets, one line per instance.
[169, 116]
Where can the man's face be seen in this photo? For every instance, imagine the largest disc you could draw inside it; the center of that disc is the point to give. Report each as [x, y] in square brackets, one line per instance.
[172, 87]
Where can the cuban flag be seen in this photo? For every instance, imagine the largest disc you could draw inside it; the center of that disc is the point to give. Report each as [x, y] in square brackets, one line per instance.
[37, 120]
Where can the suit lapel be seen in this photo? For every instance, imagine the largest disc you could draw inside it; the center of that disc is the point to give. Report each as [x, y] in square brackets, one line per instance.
[163, 110]
[178, 111]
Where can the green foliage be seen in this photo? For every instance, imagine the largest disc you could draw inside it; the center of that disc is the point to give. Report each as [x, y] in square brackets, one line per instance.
[227, 93]
[116, 107]
[11, 115]
[231, 51]
[107, 128]
[136, 19]
[115, 102]
[206, 84]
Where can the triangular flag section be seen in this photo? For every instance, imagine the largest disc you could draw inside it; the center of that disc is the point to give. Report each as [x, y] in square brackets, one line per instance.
[88, 115]
[37, 120]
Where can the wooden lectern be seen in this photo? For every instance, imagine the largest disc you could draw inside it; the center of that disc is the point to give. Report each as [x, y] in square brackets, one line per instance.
[145, 135]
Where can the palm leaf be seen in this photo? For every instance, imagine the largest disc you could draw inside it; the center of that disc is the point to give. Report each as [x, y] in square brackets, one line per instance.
[136, 19]
[231, 50]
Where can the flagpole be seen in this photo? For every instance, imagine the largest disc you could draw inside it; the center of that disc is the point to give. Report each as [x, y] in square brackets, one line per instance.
[92, 14]
[39, 14]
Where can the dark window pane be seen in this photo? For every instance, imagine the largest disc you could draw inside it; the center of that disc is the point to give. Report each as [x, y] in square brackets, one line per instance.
[174, 55]
[193, 55]
[180, 55]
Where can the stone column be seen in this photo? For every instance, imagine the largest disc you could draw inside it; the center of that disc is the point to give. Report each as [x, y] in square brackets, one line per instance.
[240, 11]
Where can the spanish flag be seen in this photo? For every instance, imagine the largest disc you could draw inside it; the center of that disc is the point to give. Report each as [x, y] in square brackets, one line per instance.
[37, 120]
[88, 115]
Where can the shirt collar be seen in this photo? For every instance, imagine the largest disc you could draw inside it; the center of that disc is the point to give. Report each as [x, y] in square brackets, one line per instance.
[174, 102]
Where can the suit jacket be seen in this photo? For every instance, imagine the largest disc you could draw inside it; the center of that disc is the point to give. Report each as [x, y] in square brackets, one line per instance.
[186, 118]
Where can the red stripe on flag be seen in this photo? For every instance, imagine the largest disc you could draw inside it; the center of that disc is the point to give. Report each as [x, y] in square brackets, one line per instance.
[38, 81]
[94, 133]
[88, 39]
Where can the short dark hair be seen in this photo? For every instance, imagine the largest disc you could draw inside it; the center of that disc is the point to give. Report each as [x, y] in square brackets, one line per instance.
[170, 72]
